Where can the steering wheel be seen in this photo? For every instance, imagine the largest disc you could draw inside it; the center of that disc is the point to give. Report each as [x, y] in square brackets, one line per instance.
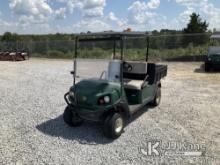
[127, 67]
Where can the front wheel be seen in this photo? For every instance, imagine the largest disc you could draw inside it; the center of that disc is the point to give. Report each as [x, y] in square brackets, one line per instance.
[72, 118]
[113, 126]
[157, 98]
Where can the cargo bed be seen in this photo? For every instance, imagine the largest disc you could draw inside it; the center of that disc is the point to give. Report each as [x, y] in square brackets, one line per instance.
[156, 72]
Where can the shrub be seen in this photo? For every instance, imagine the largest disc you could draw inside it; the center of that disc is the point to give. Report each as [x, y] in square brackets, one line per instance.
[55, 54]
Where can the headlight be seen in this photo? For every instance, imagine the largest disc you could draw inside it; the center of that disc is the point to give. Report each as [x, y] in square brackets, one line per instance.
[107, 99]
[104, 100]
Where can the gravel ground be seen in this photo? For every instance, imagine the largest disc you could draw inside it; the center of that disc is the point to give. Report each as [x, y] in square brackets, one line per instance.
[32, 130]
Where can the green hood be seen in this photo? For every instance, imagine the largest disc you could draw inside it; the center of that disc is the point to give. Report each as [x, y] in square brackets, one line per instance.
[87, 92]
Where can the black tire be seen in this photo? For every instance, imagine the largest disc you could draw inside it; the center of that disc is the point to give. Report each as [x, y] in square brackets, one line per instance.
[207, 67]
[72, 118]
[113, 126]
[157, 98]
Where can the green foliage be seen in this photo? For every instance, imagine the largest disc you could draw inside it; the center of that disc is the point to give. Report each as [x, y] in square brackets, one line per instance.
[170, 53]
[195, 25]
[59, 54]
[163, 44]
[62, 46]
[7, 36]
[55, 53]
[38, 55]
[94, 53]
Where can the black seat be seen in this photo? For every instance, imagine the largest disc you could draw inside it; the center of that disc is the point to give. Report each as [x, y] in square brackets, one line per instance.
[138, 72]
[134, 79]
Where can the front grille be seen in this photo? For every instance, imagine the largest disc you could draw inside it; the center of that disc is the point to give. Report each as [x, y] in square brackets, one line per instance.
[83, 101]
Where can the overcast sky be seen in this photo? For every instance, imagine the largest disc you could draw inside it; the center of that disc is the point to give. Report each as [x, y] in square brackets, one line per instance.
[69, 16]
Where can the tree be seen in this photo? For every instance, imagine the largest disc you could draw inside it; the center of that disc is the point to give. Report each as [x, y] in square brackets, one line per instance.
[195, 25]
[7, 36]
[9, 41]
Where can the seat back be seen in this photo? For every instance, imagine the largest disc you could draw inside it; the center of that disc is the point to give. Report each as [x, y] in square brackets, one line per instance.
[138, 72]
[114, 70]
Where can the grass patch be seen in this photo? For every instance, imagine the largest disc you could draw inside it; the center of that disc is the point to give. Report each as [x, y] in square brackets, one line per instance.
[130, 54]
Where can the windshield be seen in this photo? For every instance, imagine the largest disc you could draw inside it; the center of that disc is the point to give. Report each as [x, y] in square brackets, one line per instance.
[95, 57]
[95, 60]
[109, 70]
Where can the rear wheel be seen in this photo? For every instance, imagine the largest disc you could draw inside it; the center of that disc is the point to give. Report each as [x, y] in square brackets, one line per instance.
[113, 126]
[157, 98]
[72, 118]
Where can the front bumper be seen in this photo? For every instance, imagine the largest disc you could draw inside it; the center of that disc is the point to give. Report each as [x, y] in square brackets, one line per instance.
[66, 98]
[91, 115]
[96, 114]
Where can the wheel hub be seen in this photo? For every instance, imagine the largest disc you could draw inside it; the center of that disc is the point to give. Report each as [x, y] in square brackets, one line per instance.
[158, 99]
[118, 125]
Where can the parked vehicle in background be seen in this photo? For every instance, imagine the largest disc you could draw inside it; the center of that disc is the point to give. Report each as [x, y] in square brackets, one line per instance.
[213, 57]
[13, 56]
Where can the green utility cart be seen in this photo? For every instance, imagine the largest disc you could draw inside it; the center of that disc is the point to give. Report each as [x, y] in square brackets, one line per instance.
[119, 91]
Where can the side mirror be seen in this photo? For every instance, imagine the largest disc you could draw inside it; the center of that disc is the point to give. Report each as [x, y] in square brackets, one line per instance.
[72, 72]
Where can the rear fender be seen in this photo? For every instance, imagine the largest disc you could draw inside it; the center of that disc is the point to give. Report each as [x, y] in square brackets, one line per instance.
[158, 85]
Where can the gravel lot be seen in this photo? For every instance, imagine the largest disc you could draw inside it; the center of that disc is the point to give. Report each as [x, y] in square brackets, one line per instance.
[32, 130]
